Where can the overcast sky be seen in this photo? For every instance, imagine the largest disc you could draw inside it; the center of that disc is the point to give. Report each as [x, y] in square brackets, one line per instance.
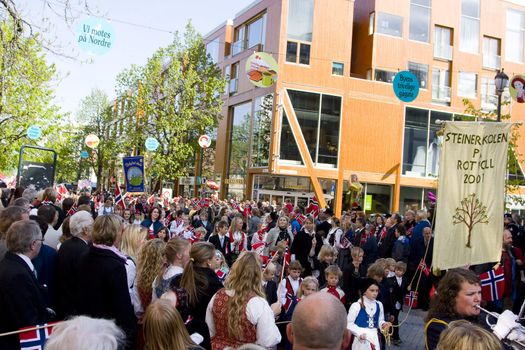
[151, 24]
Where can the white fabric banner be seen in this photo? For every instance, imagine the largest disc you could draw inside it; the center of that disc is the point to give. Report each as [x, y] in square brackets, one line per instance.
[471, 194]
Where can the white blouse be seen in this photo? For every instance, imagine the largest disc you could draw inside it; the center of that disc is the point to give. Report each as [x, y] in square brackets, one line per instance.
[281, 290]
[259, 314]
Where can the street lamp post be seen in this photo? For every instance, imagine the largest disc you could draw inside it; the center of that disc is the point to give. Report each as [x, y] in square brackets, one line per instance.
[500, 80]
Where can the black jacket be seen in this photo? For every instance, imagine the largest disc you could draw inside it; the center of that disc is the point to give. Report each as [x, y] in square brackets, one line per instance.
[22, 301]
[68, 259]
[103, 290]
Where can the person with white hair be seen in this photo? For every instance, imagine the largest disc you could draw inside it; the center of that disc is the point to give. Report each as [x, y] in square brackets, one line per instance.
[69, 254]
[85, 333]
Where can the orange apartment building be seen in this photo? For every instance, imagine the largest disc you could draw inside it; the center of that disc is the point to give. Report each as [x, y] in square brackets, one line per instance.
[333, 112]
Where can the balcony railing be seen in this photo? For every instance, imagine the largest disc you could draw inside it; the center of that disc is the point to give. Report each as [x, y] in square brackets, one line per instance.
[233, 85]
[443, 51]
[237, 47]
[440, 93]
[491, 61]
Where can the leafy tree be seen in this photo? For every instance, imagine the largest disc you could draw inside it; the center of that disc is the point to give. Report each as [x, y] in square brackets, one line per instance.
[175, 98]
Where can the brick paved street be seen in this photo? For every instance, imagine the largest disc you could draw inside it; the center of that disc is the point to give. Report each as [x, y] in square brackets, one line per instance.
[411, 332]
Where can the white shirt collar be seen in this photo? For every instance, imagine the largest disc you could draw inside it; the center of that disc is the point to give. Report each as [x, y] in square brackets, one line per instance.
[27, 260]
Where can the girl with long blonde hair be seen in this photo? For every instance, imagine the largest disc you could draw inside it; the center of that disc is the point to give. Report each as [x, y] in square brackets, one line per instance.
[132, 239]
[150, 262]
[177, 256]
[239, 313]
[164, 329]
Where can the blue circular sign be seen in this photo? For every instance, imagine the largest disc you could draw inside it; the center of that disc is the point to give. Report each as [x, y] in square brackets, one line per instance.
[406, 86]
[95, 36]
[84, 154]
[34, 132]
[151, 144]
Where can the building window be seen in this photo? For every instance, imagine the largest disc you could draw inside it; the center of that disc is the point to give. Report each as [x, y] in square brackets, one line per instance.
[261, 130]
[469, 41]
[249, 34]
[255, 32]
[291, 52]
[514, 36]
[491, 53]
[420, 146]
[389, 24]
[319, 117]
[443, 43]
[338, 68]
[467, 84]
[421, 72]
[289, 151]
[300, 20]
[413, 198]
[212, 49]
[441, 86]
[234, 78]
[419, 20]
[239, 141]
[371, 24]
[489, 99]
[384, 76]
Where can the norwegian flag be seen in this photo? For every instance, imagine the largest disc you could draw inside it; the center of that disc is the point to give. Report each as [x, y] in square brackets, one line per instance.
[411, 299]
[247, 211]
[73, 209]
[313, 208]
[35, 339]
[264, 261]
[258, 245]
[151, 199]
[492, 284]
[205, 202]
[195, 203]
[424, 268]
[61, 192]
[221, 274]
[300, 219]
[287, 257]
[235, 205]
[118, 197]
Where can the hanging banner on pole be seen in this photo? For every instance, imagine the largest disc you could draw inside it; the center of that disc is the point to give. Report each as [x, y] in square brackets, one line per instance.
[471, 187]
[134, 172]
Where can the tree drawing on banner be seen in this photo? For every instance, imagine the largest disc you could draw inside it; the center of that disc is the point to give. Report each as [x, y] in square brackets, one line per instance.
[471, 212]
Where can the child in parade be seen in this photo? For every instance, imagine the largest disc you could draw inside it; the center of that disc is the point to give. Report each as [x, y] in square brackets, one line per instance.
[269, 285]
[289, 287]
[398, 289]
[177, 224]
[309, 286]
[221, 266]
[332, 275]
[176, 254]
[325, 258]
[366, 318]
[390, 266]
[220, 240]
[238, 242]
[352, 276]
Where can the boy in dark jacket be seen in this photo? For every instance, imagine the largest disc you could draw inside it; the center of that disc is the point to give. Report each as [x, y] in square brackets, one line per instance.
[398, 288]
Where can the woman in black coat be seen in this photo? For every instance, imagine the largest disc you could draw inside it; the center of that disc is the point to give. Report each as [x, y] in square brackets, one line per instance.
[102, 282]
[200, 283]
[306, 245]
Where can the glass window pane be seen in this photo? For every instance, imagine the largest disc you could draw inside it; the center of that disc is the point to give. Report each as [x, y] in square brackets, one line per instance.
[306, 106]
[329, 129]
[467, 84]
[384, 76]
[291, 51]
[239, 139]
[470, 8]
[255, 32]
[469, 41]
[514, 36]
[419, 23]
[421, 72]
[261, 130]
[212, 49]
[410, 198]
[389, 24]
[300, 19]
[289, 149]
[304, 54]
[415, 142]
[338, 68]
[427, 3]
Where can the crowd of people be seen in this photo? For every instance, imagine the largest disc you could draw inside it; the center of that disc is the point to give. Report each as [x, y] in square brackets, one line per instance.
[192, 273]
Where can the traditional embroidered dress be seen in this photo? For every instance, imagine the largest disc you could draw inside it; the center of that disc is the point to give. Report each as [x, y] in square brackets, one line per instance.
[366, 318]
[237, 243]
